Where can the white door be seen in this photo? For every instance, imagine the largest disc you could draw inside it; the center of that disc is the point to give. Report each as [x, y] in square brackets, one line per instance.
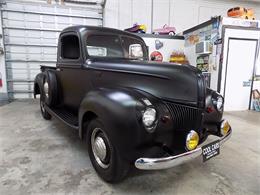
[240, 66]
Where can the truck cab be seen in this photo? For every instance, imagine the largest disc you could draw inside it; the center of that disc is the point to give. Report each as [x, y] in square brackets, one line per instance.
[129, 110]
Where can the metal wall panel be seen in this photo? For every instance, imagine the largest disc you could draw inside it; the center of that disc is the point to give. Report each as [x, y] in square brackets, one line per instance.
[30, 33]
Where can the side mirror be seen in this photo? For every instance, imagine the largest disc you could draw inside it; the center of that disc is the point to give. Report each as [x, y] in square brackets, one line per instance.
[136, 51]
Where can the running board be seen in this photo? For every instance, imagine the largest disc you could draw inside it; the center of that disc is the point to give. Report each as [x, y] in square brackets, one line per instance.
[67, 117]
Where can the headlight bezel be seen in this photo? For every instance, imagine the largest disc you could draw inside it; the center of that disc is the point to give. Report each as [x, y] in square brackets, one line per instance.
[150, 127]
[218, 103]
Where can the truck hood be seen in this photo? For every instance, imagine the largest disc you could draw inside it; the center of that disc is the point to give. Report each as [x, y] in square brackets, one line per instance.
[168, 81]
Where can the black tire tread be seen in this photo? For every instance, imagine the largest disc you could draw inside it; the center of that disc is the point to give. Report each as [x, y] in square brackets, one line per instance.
[118, 168]
[45, 114]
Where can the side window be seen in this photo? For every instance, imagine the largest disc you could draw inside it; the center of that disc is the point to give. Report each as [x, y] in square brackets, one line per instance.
[70, 47]
[127, 41]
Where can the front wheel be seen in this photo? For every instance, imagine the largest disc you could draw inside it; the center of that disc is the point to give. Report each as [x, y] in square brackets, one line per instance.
[103, 155]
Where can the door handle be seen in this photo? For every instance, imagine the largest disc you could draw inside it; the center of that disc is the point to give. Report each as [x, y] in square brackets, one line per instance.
[59, 69]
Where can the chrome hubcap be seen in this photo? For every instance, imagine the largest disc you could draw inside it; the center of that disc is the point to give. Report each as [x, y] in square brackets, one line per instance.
[99, 147]
[46, 89]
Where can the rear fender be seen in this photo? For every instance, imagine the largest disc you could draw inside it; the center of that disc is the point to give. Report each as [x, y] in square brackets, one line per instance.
[38, 84]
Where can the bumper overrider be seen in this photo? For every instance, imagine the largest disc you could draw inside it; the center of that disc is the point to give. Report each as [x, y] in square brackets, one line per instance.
[172, 161]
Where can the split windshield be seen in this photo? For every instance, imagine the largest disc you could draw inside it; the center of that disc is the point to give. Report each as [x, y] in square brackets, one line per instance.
[111, 46]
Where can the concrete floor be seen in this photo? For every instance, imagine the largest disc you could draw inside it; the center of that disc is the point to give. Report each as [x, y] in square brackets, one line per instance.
[38, 156]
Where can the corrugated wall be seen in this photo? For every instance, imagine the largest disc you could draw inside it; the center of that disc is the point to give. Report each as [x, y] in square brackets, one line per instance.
[30, 33]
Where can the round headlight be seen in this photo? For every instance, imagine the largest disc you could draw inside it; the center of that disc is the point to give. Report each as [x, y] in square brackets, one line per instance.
[149, 117]
[192, 140]
[219, 103]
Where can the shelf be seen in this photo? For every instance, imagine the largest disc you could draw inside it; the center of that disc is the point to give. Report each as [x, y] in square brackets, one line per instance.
[146, 35]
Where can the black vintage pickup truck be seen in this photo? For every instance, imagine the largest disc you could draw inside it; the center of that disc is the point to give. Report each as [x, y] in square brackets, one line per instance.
[129, 110]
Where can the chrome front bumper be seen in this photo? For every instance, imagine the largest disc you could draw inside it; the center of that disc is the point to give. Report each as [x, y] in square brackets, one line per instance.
[171, 161]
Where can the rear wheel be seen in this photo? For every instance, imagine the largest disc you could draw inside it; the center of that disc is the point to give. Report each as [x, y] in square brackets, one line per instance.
[44, 112]
[103, 155]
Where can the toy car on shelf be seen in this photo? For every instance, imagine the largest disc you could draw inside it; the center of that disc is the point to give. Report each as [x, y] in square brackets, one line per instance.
[137, 28]
[165, 30]
[241, 12]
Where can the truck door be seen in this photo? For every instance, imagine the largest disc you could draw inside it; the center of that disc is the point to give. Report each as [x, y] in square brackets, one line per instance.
[74, 80]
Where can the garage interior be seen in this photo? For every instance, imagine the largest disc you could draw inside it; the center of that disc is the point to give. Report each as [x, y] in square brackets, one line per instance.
[47, 157]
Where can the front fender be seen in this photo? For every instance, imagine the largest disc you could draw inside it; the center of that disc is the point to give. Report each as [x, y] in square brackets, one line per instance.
[118, 110]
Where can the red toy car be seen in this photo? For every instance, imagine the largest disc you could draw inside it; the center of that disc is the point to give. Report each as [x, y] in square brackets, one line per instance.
[241, 12]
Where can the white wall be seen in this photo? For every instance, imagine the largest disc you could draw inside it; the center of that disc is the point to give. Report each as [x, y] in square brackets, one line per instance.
[182, 14]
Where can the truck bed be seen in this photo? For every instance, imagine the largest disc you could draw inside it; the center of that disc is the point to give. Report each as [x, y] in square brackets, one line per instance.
[43, 68]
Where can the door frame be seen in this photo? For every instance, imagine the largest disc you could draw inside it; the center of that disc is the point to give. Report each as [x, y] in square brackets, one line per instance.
[223, 34]
[254, 65]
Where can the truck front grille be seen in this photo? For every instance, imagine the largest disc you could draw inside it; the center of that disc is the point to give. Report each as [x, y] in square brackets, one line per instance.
[184, 117]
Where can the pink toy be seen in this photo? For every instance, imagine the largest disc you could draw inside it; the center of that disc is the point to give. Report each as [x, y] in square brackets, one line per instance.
[165, 30]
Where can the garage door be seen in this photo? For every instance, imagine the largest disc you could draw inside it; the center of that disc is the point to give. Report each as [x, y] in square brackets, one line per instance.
[30, 33]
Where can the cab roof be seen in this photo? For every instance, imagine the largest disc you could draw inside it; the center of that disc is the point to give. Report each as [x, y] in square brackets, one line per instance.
[81, 28]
